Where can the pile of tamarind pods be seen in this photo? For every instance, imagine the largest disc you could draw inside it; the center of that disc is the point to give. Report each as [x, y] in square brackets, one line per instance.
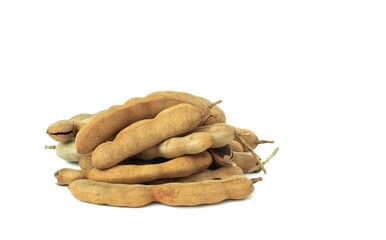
[168, 147]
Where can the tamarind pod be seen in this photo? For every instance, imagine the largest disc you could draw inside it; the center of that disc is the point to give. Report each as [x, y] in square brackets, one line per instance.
[147, 133]
[62, 130]
[67, 151]
[173, 194]
[216, 114]
[236, 146]
[222, 133]
[119, 117]
[220, 173]
[245, 161]
[65, 130]
[177, 146]
[251, 138]
[178, 167]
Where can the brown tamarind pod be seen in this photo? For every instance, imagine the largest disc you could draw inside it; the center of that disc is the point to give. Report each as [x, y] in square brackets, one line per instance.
[173, 194]
[251, 138]
[65, 130]
[147, 133]
[178, 167]
[118, 117]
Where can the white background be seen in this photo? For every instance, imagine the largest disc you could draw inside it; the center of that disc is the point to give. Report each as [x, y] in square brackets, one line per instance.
[308, 74]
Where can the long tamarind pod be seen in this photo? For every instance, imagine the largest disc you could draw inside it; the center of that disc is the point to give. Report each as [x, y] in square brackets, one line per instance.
[173, 194]
[147, 133]
[119, 117]
[178, 167]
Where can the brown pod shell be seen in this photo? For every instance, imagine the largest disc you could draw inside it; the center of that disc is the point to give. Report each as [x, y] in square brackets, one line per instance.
[223, 155]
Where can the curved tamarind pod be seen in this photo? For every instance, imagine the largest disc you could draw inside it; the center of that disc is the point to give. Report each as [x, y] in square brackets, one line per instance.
[67, 151]
[222, 133]
[119, 117]
[173, 194]
[251, 138]
[220, 173]
[147, 133]
[178, 146]
[178, 167]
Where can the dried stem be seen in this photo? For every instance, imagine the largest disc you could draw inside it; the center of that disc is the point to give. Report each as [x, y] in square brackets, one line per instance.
[271, 156]
[264, 141]
[50, 147]
[207, 114]
[214, 104]
[255, 180]
[258, 168]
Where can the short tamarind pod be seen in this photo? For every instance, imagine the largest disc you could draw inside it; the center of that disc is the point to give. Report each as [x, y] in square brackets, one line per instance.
[65, 130]
[173, 194]
[223, 155]
[245, 161]
[119, 117]
[178, 146]
[85, 163]
[222, 133]
[236, 146]
[177, 167]
[251, 138]
[67, 151]
[220, 173]
[62, 131]
[144, 134]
